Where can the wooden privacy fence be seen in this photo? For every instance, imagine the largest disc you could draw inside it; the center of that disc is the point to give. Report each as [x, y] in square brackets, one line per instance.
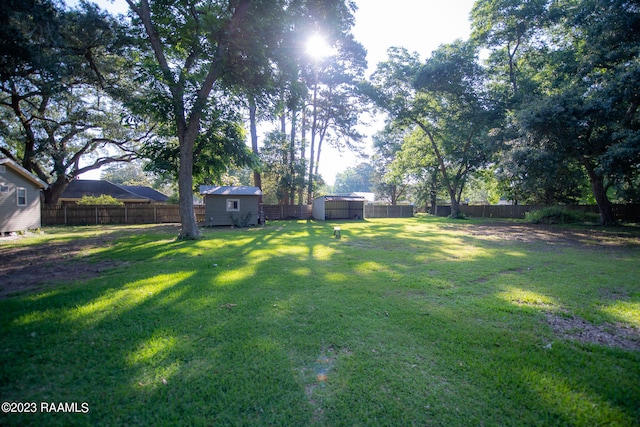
[388, 211]
[276, 212]
[108, 214]
[627, 213]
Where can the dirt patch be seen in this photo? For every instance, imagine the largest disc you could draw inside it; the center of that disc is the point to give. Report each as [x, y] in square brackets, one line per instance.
[572, 236]
[607, 334]
[36, 267]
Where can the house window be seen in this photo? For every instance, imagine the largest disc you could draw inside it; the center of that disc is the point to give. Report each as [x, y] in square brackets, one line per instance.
[21, 194]
[4, 188]
[233, 205]
[3, 169]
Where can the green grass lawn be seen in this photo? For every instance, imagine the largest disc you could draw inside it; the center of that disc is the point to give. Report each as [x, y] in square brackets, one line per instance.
[422, 321]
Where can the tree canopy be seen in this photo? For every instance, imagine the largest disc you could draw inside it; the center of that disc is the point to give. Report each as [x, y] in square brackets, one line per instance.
[59, 71]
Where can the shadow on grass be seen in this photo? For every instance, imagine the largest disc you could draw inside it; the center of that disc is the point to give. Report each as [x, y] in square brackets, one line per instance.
[397, 322]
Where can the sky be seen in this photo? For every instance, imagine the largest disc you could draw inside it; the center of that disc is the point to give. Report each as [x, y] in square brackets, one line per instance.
[417, 25]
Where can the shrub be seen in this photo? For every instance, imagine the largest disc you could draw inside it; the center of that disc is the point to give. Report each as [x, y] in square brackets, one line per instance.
[241, 221]
[102, 199]
[559, 215]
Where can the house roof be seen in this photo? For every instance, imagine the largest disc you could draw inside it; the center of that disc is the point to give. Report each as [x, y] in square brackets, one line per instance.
[147, 192]
[368, 196]
[23, 172]
[230, 191]
[79, 188]
[342, 198]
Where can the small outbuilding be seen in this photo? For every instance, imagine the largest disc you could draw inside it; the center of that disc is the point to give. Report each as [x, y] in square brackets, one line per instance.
[338, 207]
[226, 205]
[19, 198]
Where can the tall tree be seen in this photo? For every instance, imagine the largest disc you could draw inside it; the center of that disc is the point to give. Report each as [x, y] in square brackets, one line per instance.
[201, 48]
[278, 180]
[336, 102]
[445, 99]
[387, 143]
[358, 178]
[59, 74]
[508, 28]
[198, 48]
[587, 106]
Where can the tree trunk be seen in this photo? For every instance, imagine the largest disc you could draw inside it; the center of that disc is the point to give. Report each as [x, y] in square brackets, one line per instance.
[55, 190]
[303, 142]
[455, 206]
[600, 193]
[253, 129]
[314, 124]
[189, 229]
[292, 159]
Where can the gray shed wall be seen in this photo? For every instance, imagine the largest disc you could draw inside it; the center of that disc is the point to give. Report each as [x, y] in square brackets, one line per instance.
[343, 209]
[215, 210]
[318, 209]
[327, 208]
[14, 217]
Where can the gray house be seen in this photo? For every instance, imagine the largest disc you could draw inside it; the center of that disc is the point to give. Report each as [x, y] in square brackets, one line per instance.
[230, 205]
[19, 198]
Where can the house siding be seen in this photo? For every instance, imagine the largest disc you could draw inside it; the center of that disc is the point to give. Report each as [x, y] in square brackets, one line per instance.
[14, 217]
[216, 209]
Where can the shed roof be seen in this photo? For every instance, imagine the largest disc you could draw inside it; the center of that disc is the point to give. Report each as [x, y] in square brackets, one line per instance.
[229, 190]
[23, 172]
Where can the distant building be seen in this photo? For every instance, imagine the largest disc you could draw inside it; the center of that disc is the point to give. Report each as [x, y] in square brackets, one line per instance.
[368, 196]
[20, 195]
[225, 205]
[78, 188]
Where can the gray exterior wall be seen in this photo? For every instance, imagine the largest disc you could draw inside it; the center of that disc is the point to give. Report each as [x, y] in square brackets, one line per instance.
[318, 209]
[216, 213]
[330, 207]
[14, 217]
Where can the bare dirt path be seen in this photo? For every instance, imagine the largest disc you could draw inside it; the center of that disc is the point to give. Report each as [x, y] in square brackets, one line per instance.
[35, 267]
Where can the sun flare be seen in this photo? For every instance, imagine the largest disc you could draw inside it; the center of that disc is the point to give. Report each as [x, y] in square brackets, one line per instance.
[318, 48]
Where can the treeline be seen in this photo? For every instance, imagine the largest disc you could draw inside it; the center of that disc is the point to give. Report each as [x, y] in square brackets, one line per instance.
[540, 105]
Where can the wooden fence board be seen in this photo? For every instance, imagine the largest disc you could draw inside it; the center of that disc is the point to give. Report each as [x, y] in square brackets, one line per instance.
[627, 212]
[388, 211]
[106, 214]
[156, 214]
[277, 212]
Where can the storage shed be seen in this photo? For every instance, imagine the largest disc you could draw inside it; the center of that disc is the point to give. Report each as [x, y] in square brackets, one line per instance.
[338, 207]
[19, 198]
[225, 205]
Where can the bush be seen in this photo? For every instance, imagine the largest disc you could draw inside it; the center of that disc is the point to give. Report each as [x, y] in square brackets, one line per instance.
[102, 199]
[560, 215]
[241, 221]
